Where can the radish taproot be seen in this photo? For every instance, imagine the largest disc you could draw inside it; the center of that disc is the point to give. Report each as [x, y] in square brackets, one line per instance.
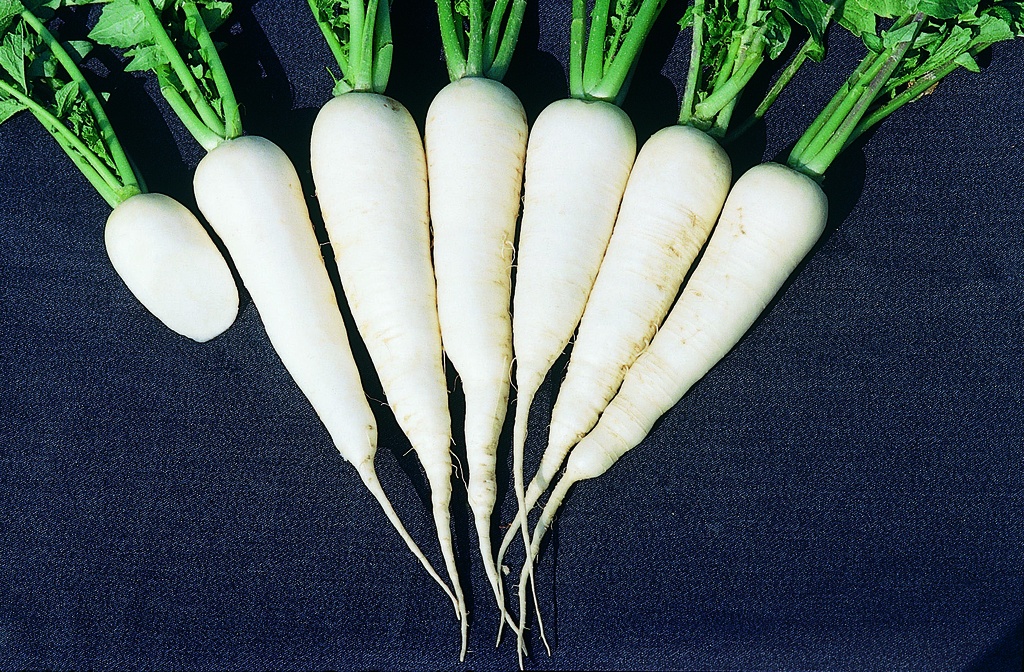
[674, 195]
[249, 191]
[771, 220]
[578, 159]
[475, 140]
[371, 178]
[158, 247]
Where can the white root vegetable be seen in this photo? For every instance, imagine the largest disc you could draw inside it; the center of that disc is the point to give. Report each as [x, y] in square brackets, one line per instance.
[577, 162]
[672, 200]
[171, 265]
[370, 171]
[475, 140]
[770, 221]
[250, 193]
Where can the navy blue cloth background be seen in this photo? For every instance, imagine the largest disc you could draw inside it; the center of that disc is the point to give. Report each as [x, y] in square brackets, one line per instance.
[845, 491]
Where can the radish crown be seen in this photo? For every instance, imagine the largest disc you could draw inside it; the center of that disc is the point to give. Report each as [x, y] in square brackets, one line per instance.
[359, 35]
[926, 41]
[479, 36]
[731, 39]
[601, 60]
[172, 39]
[40, 74]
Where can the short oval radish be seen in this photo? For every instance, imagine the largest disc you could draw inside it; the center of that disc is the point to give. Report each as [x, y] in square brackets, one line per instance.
[250, 193]
[370, 171]
[770, 221]
[172, 266]
[475, 143]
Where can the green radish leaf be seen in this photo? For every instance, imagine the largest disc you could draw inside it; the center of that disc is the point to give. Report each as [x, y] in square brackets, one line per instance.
[122, 24]
[891, 38]
[214, 14]
[9, 11]
[149, 57]
[965, 60]
[856, 19]
[776, 34]
[8, 108]
[63, 98]
[13, 51]
[687, 19]
[946, 9]
[886, 8]
[77, 49]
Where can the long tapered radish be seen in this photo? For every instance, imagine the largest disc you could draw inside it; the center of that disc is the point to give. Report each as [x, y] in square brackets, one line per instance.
[475, 141]
[674, 195]
[371, 177]
[370, 172]
[577, 163]
[250, 193]
[162, 253]
[771, 219]
[673, 198]
[476, 146]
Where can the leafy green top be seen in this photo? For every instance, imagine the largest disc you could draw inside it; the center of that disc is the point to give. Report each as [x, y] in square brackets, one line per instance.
[172, 39]
[731, 39]
[40, 74]
[359, 35]
[923, 41]
[601, 63]
[479, 36]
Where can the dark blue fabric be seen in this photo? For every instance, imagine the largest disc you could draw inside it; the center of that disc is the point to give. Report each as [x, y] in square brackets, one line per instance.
[845, 491]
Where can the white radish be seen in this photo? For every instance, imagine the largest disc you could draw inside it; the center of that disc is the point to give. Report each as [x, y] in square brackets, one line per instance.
[369, 167]
[577, 162]
[771, 220]
[250, 193]
[170, 263]
[475, 140]
[672, 200]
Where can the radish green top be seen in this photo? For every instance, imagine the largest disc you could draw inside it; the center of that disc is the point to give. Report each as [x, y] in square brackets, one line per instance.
[731, 39]
[924, 41]
[172, 39]
[359, 35]
[40, 74]
[479, 37]
[601, 59]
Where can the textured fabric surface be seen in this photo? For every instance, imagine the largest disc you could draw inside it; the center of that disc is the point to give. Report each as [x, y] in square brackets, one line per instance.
[844, 491]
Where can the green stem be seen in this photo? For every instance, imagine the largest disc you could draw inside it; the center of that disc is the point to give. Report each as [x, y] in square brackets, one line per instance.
[367, 45]
[384, 47]
[187, 116]
[576, 40]
[493, 31]
[450, 41]
[232, 119]
[125, 171]
[593, 67]
[693, 74]
[332, 41]
[784, 78]
[925, 82]
[112, 197]
[731, 88]
[815, 164]
[621, 66]
[475, 53]
[98, 173]
[833, 104]
[181, 69]
[356, 27]
[509, 38]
